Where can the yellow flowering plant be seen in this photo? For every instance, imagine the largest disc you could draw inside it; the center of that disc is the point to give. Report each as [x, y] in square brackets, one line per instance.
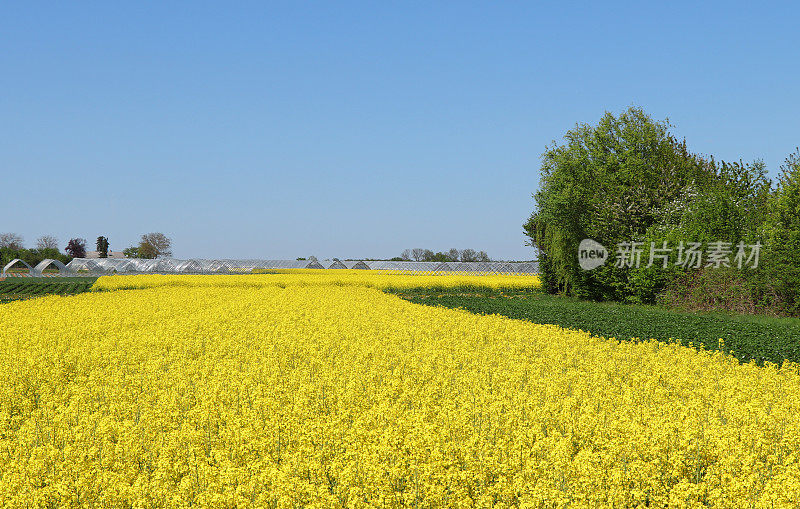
[308, 390]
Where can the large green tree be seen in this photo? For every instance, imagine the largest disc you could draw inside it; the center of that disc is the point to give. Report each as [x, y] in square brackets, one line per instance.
[610, 183]
[628, 179]
[154, 245]
[781, 263]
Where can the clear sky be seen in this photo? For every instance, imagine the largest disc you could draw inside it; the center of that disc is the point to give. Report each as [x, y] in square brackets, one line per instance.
[342, 129]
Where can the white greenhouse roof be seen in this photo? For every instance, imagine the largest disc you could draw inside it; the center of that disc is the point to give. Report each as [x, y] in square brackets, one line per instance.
[225, 266]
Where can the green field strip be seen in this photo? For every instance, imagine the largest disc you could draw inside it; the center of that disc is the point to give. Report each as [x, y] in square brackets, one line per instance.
[747, 337]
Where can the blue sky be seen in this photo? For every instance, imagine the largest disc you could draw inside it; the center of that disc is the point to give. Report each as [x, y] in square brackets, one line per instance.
[278, 130]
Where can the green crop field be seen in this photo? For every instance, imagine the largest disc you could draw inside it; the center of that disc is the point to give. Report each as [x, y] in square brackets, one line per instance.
[758, 338]
[17, 288]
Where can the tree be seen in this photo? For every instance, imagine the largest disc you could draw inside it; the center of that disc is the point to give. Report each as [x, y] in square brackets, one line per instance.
[782, 257]
[453, 255]
[154, 245]
[11, 241]
[417, 254]
[11, 248]
[430, 256]
[146, 250]
[46, 242]
[613, 182]
[405, 255]
[131, 252]
[469, 255]
[102, 246]
[483, 257]
[76, 248]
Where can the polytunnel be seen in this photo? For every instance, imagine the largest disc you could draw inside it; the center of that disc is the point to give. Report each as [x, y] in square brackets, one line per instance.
[147, 266]
[125, 267]
[200, 266]
[528, 268]
[17, 261]
[402, 267]
[208, 266]
[483, 268]
[504, 268]
[461, 267]
[84, 265]
[163, 265]
[240, 266]
[285, 264]
[103, 264]
[44, 264]
[220, 267]
[443, 267]
[139, 265]
[188, 267]
[426, 268]
[111, 265]
[469, 268]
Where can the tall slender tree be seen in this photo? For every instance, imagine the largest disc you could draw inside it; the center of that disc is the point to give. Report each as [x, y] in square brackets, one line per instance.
[102, 246]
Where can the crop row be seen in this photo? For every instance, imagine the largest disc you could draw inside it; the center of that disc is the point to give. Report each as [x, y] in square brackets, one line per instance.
[19, 288]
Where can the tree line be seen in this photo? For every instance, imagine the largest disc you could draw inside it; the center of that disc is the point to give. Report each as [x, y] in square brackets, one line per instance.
[628, 183]
[453, 255]
[47, 246]
[151, 245]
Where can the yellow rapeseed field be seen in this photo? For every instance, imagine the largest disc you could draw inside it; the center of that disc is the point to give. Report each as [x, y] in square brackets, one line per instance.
[314, 277]
[301, 390]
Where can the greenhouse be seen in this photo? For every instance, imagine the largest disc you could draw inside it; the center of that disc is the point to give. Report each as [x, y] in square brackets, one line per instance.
[104, 266]
[46, 264]
[85, 265]
[16, 262]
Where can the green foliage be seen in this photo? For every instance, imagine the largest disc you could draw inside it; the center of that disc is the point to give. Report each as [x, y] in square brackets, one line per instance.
[31, 256]
[131, 252]
[728, 289]
[749, 337]
[154, 245]
[781, 263]
[25, 288]
[731, 204]
[102, 246]
[452, 255]
[609, 183]
[629, 180]
[146, 250]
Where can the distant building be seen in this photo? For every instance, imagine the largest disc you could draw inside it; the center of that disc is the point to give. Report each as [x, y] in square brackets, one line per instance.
[111, 254]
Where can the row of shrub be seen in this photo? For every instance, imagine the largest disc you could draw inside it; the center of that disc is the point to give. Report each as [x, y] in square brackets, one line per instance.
[628, 179]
